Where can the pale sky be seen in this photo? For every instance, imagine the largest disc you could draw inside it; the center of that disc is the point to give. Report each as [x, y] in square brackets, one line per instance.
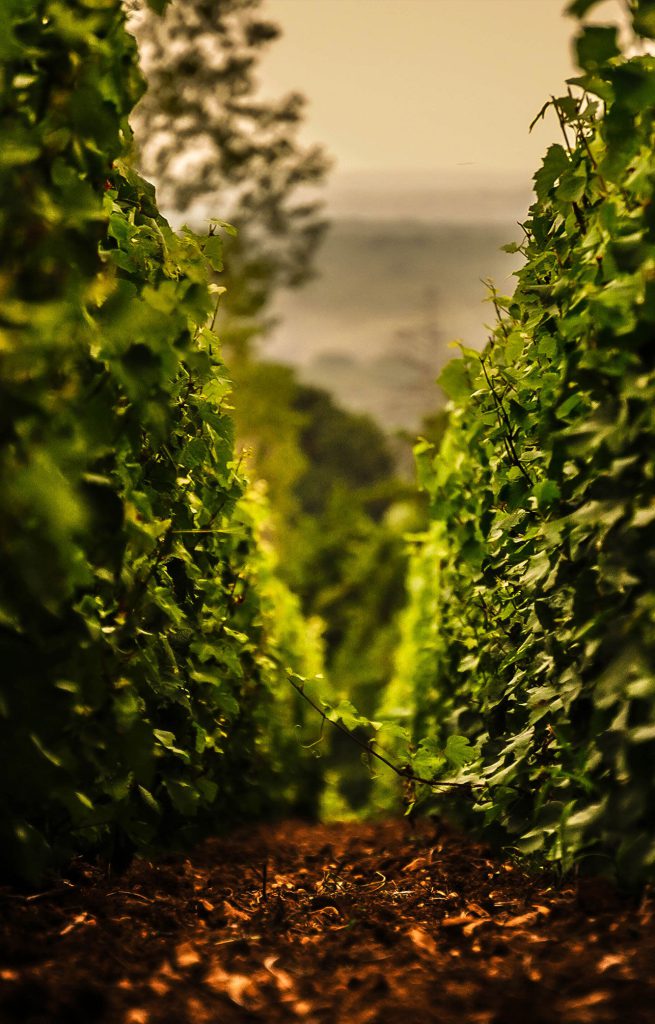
[425, 85]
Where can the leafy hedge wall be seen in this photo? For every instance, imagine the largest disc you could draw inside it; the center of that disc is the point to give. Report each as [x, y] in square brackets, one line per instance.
[144, 637]
[531, 634]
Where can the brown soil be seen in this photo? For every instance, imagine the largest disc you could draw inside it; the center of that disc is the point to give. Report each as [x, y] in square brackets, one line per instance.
[357, 923]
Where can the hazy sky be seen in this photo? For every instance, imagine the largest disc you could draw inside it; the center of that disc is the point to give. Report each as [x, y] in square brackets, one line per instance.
[448, 85]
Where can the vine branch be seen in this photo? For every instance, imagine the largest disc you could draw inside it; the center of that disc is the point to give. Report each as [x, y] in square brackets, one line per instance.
[403, 773]
[503, 422]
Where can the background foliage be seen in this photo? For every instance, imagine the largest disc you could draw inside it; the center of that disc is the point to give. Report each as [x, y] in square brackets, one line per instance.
[214, 146]
[339, 514]
[529, 642]
[144, 635]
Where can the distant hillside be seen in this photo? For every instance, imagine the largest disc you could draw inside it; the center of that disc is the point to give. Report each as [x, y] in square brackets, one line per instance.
[374, 326]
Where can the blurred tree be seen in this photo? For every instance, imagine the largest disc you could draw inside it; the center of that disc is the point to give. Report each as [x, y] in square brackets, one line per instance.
[215, 148]
[340, 515]
[342, 447]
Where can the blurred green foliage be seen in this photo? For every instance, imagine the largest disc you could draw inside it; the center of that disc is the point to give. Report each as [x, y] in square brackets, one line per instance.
[144, 634]
[339, 517]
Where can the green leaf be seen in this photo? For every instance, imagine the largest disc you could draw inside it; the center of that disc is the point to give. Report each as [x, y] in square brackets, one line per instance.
[229, 229]
[546, 492]
[643, 19]
[459, 751]
[555, 163]
[572, 186]
[214, 251]
[429, 759]
[184, 796]
[346, 713]
[568, 405]
[149, 799]
[216, 389]
[46, 752]
[455, 381]
[596, 45]
[208, 790]
[531, 842]
[514, 346]
[167, 739]
[18, 149]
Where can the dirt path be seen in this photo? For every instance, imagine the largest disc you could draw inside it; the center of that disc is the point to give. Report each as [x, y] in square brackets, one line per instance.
[360, 924]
